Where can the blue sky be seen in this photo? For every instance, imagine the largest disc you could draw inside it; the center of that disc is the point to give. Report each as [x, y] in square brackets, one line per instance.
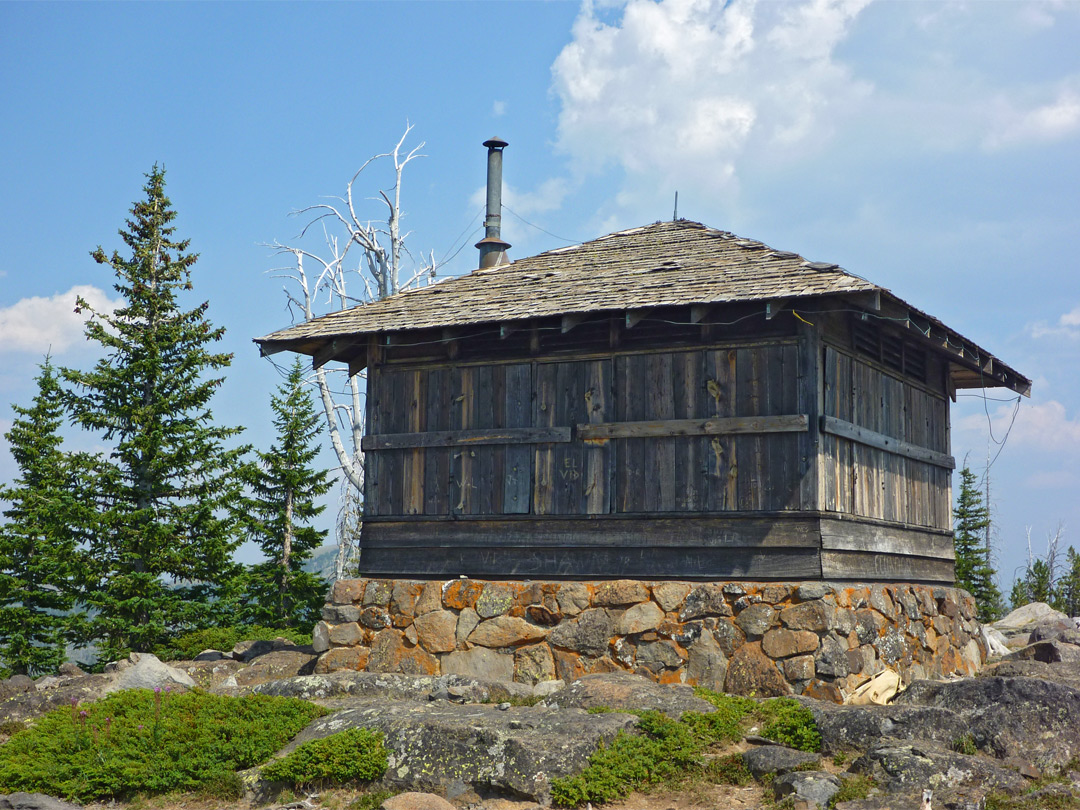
[933, 148]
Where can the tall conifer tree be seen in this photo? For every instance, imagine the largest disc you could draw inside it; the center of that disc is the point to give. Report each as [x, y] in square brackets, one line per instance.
[165, 528]
[285, 486]
[37, 543]
[974, 573]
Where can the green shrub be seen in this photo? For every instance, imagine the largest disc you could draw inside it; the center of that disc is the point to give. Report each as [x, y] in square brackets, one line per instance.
[665, 749]
[789, 723]
[149, 742]
[782, 720]
[353, 754]
[965, 744]
[187, 646]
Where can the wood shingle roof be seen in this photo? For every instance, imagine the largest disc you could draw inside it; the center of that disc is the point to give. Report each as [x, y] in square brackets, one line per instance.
[674, 263]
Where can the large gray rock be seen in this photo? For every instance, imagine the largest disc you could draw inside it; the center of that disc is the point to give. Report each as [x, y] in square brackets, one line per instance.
[33, 801]
[448, 749]
[623, 690]
[1033, 719]
[776, 759]
[336, 686]
[815, 788]
[847, 728]
[1024, 619]
[910, 768]
[148, 672]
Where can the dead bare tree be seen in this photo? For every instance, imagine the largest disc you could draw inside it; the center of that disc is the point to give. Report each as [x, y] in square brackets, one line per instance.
[357, 261]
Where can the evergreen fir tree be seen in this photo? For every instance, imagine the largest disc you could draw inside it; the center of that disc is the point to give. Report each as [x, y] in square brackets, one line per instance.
[974, 573]
[161, 544]
[37, 543]
[1067, 596]
[279, 592]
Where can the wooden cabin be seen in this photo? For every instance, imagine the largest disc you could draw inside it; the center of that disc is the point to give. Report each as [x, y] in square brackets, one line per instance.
[670, 401]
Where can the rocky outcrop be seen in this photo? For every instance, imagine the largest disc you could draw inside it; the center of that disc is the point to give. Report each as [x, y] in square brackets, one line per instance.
[763, 639]
[450, 749]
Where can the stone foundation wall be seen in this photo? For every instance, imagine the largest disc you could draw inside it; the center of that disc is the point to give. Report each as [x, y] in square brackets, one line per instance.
[765, 639]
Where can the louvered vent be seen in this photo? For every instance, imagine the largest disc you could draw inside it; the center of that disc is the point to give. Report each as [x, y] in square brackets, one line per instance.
[889, 349]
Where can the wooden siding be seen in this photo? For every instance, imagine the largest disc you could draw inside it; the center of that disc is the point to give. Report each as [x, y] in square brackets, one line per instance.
[688, 431]
[862, 478]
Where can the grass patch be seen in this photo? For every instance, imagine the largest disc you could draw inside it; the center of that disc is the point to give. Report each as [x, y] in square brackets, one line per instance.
[729, 770]
[965, 744]
[351, 755]
[187, 646]
[139, 741]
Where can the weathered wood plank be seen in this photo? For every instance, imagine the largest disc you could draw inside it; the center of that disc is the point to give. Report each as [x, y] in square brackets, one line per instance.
[599, 460]
[461, 459]
[468, 438]
[437, 459]
[851, 535]
[722, 426]
[650, 563]
[645, 563]
[880, 441]
[543, 496]
[414, 405]
[748, 403]
[517, 459]
[484, 455]
[569, 461]
[863, 567]
[688, 403]
[722, 479]
[630, 407]
[727, 532]
[659, 451]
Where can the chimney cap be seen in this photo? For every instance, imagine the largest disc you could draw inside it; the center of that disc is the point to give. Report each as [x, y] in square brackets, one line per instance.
[495, 142]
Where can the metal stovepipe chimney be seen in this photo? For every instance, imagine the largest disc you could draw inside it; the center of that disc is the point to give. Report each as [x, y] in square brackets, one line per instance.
[492, 247]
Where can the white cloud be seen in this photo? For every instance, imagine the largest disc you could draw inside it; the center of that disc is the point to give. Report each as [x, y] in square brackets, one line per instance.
[1068, 326]
[679, 90]
[39, 325]
[498, 109]
[1018, 124]
[1053, 479]
[1044, 426]
[548, 196]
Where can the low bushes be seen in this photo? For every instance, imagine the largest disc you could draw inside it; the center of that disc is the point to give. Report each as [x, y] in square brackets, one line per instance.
[667, 750]
[353, 754]
[140, 741]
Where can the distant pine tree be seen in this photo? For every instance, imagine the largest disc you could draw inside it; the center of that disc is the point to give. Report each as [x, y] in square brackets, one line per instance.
[1067, 593]
[974, 573]
[285, 486]
[161, 542]
[37, 543]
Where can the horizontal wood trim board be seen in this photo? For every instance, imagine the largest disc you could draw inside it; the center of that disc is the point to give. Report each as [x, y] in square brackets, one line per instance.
[864, 566]
[728, 344]
[644, 563]
[466, 438]
[839, 535]
[711, 533]
[870, 438]
[790, 423]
